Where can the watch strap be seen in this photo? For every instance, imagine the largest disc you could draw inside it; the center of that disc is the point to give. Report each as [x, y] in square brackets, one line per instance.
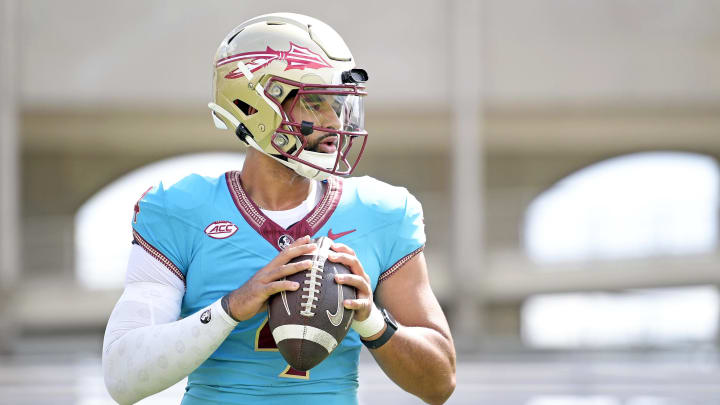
[389, 331]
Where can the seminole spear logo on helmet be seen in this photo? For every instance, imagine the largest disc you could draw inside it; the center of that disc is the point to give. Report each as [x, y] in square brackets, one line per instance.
[297, 58]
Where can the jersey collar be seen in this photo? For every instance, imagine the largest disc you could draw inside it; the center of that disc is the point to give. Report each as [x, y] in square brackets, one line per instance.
[278, 236]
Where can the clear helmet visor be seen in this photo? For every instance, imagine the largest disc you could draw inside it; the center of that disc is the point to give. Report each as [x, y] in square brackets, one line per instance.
[332, 111]
[328, 123]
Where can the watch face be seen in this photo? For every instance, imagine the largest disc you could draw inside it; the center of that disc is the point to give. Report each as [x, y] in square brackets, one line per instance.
[389, 318]
[392, 326]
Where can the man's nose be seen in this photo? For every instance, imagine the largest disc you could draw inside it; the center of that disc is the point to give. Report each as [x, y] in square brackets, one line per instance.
[330, 120]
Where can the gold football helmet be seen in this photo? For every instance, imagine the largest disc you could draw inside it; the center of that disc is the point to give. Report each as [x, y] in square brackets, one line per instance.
[280, 77]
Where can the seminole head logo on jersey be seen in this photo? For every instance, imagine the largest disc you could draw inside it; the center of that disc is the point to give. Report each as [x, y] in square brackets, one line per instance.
[296, 57]
[284, 241]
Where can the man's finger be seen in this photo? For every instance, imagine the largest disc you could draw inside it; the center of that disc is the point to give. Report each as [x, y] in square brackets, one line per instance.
[358, 305]
[301, 241]
[342, 248]
[354, 280]
[281, 285]
[351, 262]
[293, 252]
[288, 269]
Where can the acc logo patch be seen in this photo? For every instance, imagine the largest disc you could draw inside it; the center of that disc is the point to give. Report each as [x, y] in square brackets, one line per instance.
[221, 229]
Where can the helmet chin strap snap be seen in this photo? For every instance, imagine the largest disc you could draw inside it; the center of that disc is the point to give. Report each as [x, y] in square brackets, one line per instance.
[306, 128]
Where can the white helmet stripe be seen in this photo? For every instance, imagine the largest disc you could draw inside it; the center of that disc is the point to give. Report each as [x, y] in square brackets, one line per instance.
[245, 70]
[258, 87]
[225, 114]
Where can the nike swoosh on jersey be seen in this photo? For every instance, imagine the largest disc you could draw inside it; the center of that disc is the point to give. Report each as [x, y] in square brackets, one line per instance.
[334, 236]
[337, 317]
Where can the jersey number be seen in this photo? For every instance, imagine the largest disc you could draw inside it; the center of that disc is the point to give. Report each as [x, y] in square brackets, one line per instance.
[264, 342]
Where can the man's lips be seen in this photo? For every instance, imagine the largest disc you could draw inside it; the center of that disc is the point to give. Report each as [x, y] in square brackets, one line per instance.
[327, 144]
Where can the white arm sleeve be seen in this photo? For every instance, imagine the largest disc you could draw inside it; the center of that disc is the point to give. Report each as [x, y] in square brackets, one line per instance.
[146, 348]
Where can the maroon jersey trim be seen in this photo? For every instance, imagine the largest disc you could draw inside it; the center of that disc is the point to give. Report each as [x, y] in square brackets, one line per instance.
[395, 267]
[247, 208]
[273, 232]
[329, 202]
[158, 255]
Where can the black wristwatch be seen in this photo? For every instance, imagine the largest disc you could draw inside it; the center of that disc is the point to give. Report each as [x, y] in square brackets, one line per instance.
[389, 331]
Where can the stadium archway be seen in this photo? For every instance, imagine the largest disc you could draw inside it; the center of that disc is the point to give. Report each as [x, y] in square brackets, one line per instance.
[633, 207]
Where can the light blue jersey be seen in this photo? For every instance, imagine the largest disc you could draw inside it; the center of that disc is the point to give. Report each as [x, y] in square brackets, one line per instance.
[213, 237]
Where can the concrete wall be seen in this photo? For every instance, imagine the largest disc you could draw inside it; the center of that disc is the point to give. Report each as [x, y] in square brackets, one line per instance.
[108, 87]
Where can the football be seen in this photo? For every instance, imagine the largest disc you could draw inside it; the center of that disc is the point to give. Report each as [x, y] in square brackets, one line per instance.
[309, 323]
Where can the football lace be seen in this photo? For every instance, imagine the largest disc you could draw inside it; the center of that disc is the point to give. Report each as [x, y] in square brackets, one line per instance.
[313, 282]
[314, 277]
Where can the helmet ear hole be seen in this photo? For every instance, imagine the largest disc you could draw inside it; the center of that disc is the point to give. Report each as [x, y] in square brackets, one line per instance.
[244, 107]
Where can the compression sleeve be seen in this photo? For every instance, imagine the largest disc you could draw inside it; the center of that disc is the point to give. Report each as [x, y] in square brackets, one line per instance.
[146, 348]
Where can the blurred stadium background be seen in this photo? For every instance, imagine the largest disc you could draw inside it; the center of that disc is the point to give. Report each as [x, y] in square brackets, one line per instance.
[565, 153]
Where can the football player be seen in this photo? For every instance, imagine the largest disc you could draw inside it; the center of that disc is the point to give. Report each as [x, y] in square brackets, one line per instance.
[208, 252]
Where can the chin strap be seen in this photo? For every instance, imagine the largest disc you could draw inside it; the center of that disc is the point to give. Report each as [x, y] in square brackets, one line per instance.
[216, 109]
[326, 160]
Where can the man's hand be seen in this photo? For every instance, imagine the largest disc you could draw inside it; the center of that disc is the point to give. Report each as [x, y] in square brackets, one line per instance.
[359, 279]
[251, 298]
